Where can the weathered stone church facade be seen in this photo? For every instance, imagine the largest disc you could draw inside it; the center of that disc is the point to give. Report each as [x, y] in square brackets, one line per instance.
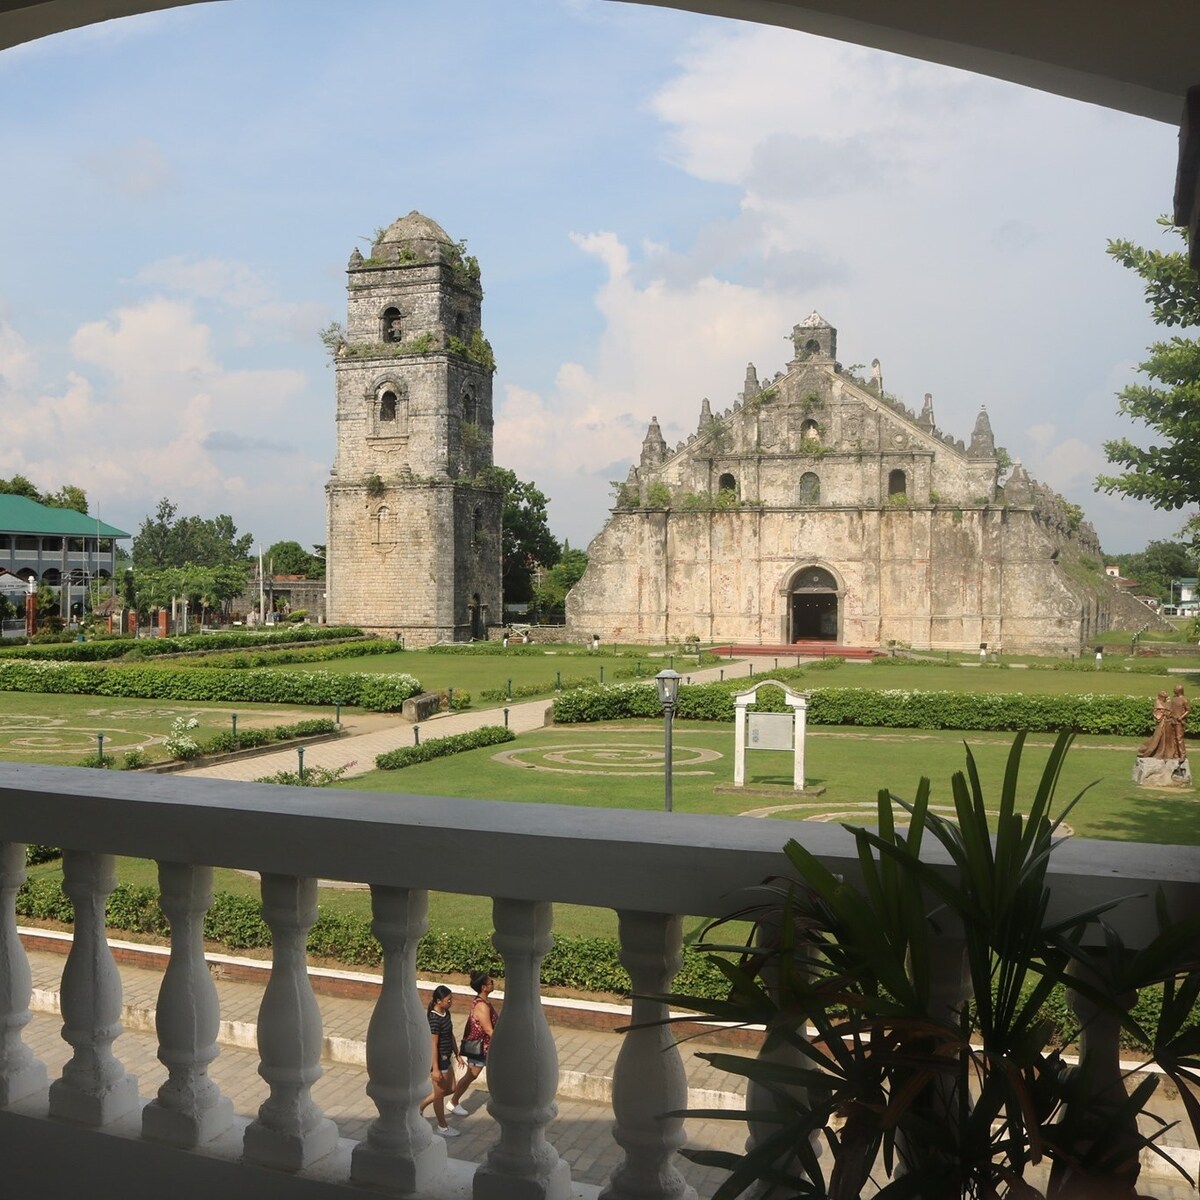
[819, 507]
[413, 523]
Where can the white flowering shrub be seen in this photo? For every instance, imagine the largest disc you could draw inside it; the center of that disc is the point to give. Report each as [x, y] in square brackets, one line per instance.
[179, 742]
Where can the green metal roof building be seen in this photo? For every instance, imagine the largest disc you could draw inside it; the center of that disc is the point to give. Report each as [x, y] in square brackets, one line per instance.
[59, 547]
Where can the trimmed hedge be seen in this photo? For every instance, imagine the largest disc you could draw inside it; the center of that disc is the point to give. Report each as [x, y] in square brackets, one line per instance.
[245, 739]
[1126, 716]
[589, 964]
[377, 692]
[303, 654]
[115, 647]
[456, 743]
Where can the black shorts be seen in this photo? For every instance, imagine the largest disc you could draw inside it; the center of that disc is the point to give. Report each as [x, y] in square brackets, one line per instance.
[443, 1063]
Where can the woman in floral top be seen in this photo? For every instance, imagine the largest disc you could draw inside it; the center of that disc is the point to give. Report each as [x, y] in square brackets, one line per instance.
[481, 1024]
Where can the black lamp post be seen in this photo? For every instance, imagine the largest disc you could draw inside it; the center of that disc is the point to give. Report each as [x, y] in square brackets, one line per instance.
[668, 693]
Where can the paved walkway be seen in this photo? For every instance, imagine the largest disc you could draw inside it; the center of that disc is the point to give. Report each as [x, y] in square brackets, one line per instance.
[582, 1133]
[369, 736]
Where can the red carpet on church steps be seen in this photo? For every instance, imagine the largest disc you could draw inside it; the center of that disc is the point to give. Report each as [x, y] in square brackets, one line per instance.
[809, 649]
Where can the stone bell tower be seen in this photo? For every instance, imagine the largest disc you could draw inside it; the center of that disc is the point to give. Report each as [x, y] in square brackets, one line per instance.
[413, 519]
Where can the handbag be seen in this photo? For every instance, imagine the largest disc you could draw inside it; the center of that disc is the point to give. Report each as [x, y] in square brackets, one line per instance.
[472, 1048]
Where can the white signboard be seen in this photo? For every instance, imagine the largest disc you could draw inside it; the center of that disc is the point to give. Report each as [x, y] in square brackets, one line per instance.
[770, 731]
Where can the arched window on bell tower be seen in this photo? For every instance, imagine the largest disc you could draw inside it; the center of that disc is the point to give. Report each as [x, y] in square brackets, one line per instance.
[470, 410]
[388, 410]
[393, 327]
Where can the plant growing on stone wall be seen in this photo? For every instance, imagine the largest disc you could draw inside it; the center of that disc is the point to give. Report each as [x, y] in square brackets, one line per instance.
[375, 485]
[471, 435]
[658, 495]
[727, 498]
[477, 349]
[625, 495]
[333, 337]
[464, 267]
[935, 497]
[899, 500]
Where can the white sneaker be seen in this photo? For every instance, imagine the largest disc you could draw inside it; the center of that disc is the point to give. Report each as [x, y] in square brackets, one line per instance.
[459, 1111]
[445, 1131]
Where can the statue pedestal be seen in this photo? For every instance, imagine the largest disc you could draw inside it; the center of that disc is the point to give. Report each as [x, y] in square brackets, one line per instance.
[1162, 772]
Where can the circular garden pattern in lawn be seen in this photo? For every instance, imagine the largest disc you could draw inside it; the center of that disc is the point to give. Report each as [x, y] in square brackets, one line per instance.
[610, 758]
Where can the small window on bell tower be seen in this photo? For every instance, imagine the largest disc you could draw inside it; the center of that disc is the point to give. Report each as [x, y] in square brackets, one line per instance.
[393, 329]
[387, 406]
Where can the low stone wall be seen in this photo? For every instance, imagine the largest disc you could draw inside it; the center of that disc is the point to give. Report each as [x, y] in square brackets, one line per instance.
[422, 707]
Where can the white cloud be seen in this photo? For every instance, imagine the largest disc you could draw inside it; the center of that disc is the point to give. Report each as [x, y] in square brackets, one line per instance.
[239, 288]
[153, 412]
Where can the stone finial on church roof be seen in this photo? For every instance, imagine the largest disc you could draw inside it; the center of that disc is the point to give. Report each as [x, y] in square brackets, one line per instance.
[356, 257]
[983, 444]
[925, 420]
[654, 446]
[1018, 488]
[751, 387]
[876, 381]
[705, 415]
[814, 320]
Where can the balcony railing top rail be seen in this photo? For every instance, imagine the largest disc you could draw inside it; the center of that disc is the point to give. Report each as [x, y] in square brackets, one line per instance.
[645, 861]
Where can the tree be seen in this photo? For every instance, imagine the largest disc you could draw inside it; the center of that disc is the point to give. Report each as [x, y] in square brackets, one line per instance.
[67, 496]
[164, 541]
[1167, 473]
[526, 540]
[290, 558]
[560, 579]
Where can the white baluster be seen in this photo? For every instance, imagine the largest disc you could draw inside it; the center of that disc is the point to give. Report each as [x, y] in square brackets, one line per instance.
[399, 1151]
[522, 1065]
[95, 1088]
[189, 1108]
[950, 989]
[649, 1078]
[291, 1131]
[1100, 1067]
[761, 1099]
[20, 1073]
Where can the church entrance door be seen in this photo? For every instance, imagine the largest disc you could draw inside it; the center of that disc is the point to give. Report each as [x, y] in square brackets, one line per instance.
[814, 606]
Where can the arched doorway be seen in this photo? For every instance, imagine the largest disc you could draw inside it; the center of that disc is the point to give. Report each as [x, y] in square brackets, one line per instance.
[814, 606]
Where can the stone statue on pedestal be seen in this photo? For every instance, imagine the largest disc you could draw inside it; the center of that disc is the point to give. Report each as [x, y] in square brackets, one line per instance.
[1162, 758]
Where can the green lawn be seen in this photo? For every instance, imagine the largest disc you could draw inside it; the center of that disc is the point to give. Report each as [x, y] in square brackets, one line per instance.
[852, 765]
[473, 672]
[59, 730]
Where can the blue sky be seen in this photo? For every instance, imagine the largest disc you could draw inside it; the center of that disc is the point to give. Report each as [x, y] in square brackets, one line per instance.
[654, 197]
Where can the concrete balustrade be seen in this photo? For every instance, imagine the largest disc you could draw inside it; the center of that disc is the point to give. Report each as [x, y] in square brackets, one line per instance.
[90, 1134]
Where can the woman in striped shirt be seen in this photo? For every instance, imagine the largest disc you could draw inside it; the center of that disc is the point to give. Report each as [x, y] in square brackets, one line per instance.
[444, 1050]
